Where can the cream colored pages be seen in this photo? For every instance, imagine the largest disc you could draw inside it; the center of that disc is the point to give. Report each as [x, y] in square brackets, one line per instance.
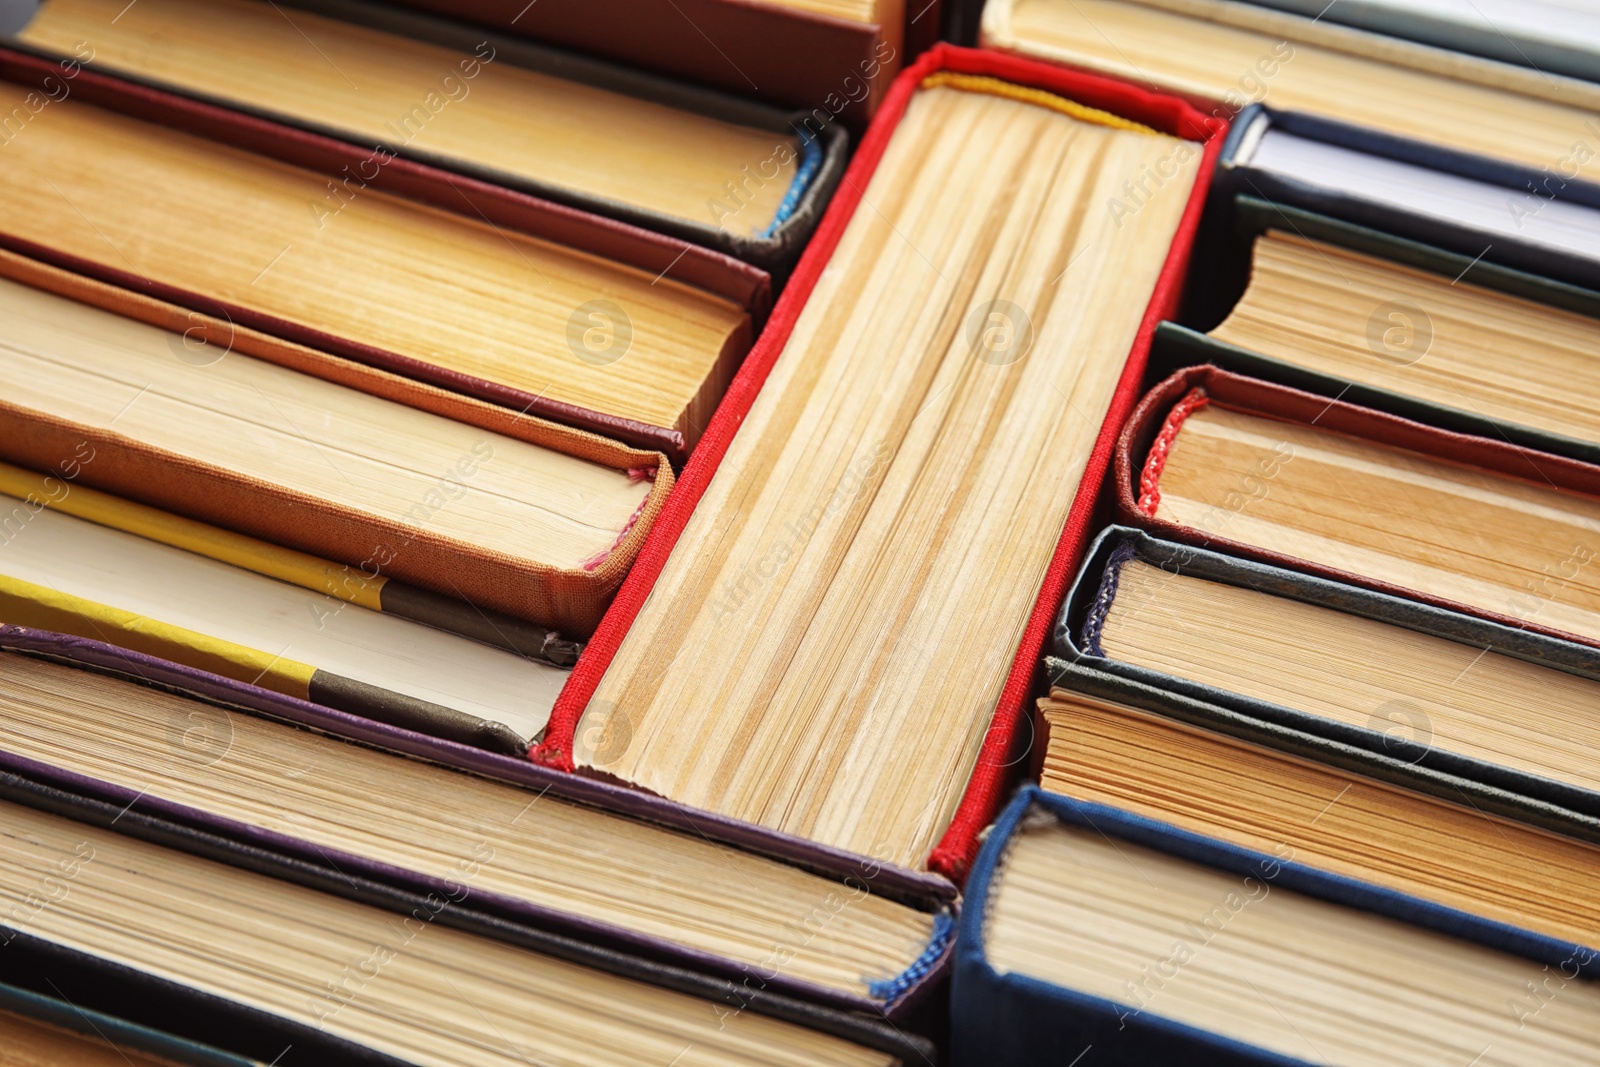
[1517, 548]
[446, 289]
[1422, 335]
[1484, 107]
[127, 572]
[408, 94]
[1358, 671]
[407, 985]
[420, 817]
[285, 428]
[1239, 956]
[823, 651]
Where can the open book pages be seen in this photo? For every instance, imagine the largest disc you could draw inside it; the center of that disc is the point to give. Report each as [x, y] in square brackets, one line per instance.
[1421, 335]
[408, 985]
[1239, 53]
[1237, 956]
[411, 96]
[1446, 851]
[423, 818]
[1517, 548]
[451, 291]
[825, 647]
[1362, 672]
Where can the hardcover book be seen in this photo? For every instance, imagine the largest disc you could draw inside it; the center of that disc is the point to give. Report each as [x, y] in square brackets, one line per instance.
[1316, 484]
[1553, 35]
[43, 1031]
[1260, 788]
[298, 966]
[834, 59]
[1095, 933]
[1539, 217]
[1382, 321]
[217, 422]
[1424, 688]
[79, 561]
[723, 172]
[473, 287]
[768, 660]
[1226, 54]
[531, 850]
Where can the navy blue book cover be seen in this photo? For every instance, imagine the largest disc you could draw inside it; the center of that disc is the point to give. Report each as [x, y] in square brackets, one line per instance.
[1011, 1019]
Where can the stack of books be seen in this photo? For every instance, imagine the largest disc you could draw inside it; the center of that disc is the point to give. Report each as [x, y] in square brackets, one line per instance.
[1318, 768]
[737, 532]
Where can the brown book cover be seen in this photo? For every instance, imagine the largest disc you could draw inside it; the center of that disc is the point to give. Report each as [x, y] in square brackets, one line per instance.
[834, 68]
[571, 600]
[1147, 438]
[722, 275]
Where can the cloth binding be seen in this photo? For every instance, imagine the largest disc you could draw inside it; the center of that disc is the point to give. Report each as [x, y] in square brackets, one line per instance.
[1156, 461]
[892, 989]
[1095, 621]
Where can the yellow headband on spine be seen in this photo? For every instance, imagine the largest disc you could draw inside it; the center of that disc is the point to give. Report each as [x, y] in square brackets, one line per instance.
[976, 83]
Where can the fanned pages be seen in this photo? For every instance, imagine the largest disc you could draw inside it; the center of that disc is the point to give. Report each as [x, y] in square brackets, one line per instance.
[342, 798]
[1236, 957]
[1516, 548]
[1450, 853]
[1238, 53]
[825, 647]
[513, 509]
[452, 293]
[1454, 697]
[477, 109]
[1422, 335]
[414, 988]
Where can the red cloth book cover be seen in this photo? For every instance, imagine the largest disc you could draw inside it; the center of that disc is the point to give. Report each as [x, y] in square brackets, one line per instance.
[997, 766]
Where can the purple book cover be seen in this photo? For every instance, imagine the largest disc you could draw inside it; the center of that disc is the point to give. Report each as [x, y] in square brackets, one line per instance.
[894, 997]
